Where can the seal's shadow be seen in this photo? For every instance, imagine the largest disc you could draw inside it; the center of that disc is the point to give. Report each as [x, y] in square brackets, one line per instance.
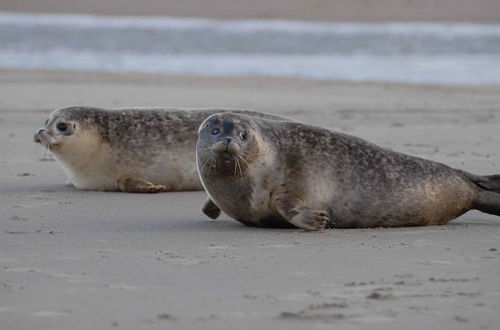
[199, 224]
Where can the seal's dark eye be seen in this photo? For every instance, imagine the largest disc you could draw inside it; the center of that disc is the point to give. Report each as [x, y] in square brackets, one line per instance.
[215, 131]
[243, 135]
[45, 122]
[62, 127]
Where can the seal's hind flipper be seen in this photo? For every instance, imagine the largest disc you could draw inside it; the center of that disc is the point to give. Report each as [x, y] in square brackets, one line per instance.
[210, 209]
[486, 182]
[488, 202]
[491, 183]
[488, 196]
[136, 185]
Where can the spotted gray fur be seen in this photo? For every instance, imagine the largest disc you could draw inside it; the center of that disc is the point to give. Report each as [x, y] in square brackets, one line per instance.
[296, 169]
[134, 150]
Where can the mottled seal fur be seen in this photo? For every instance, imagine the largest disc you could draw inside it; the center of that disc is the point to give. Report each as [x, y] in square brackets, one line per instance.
[132, 150]
[287, 174]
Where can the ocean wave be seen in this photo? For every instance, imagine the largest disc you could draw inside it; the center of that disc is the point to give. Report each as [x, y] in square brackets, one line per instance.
[398, 52]
[248, 26]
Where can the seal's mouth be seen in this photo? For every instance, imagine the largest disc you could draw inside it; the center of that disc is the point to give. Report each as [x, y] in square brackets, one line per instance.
[36, 138]
[226, 157]
[224, 164]
[43, 139]
[225, 147]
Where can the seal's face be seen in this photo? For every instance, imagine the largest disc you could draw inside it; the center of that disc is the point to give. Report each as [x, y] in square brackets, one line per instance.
[226, 145]
[56, 132]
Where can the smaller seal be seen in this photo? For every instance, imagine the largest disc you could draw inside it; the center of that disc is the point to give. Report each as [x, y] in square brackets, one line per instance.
[273, 173]
[143, 150]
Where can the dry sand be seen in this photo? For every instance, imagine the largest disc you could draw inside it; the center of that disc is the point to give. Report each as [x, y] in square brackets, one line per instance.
[481, 11]
[90, 260]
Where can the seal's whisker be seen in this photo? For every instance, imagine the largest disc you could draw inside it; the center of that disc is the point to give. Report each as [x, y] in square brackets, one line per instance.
[213, 163]
[45, 154]
[235, 162]
[239, 167]
[244, 161]
[205, 163]
[48, 153]
[235, 165]
[212, 159]
[215, 166]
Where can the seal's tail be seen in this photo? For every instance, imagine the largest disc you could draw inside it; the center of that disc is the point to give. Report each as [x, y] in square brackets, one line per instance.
[488, 198]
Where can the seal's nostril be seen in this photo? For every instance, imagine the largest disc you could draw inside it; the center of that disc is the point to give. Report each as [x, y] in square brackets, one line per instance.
[41, 130]
[227, 141]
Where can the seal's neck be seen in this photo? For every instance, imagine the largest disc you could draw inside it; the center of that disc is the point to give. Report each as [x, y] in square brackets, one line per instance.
[82, 154]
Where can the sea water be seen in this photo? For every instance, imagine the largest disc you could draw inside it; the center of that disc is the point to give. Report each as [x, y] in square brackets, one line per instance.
[393, 52]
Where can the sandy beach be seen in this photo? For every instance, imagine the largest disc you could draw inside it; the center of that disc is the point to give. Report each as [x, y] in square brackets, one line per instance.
[80, 260]
[481, 11]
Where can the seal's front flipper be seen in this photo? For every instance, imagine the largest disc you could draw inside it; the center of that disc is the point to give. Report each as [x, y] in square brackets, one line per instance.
[136, 185]
[308, 219]
[211, 210]
[299, 215]
[304, 217]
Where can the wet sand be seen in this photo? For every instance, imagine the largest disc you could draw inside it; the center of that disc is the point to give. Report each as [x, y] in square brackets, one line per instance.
[479, 11]
[80, 260]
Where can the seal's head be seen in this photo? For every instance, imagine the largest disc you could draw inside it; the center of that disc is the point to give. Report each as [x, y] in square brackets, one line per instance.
[68, 132]
[56, 131]
[227, 145]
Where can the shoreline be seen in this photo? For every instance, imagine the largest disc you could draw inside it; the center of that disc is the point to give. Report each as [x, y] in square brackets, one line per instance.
[315, 10]
[130, 77]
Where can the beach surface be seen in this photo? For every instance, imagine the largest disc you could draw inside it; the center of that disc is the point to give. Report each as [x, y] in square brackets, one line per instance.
[74, 259]
[480, 11]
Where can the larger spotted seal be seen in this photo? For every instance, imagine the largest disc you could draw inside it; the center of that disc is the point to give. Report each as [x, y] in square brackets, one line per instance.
[132, 150]
[287, 174]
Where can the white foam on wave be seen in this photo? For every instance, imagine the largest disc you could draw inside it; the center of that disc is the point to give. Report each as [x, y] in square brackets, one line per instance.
[416, 52]
[414, 69]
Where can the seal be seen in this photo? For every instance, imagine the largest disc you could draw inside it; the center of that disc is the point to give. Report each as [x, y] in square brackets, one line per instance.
[132, 150]
[273, 173]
